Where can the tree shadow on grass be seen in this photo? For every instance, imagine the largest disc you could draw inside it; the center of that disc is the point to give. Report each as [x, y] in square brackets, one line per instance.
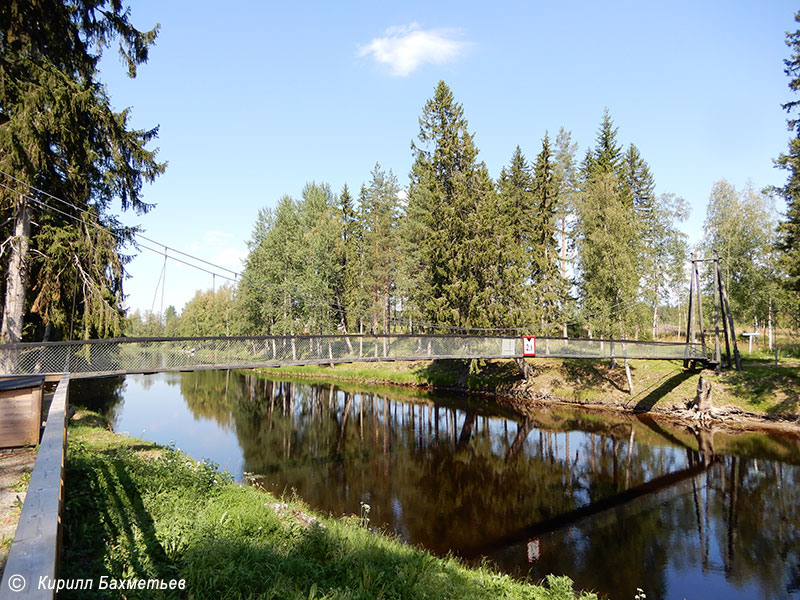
[592, 374]
[478, 375]
[756, 384]
[104, 509]
[667, 385]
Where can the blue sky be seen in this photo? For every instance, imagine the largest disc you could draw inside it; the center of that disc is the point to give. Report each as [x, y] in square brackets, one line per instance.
[255, 99]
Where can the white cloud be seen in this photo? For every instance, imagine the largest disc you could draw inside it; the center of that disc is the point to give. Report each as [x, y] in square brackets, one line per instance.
[230, 257]
[217, 247]
[405, 48]
[217, 237]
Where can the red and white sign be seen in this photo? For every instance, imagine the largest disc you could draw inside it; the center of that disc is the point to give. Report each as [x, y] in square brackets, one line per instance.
[528, 345]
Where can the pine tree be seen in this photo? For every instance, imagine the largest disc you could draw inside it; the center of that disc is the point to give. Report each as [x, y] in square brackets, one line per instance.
[567, 174]
[59, 134]
[380, 215]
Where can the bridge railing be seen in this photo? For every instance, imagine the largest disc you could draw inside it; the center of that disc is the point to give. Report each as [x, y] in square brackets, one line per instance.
[138, 355]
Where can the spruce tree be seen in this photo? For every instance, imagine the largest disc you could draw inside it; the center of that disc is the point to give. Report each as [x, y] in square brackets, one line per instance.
[607, 156]
[59, 134]
[450, 199]
[548, 285]
[608, 266]
[661, 248]
[515, 226]
[789, 230]
[351, 237]
[639, 187]
[607, 238]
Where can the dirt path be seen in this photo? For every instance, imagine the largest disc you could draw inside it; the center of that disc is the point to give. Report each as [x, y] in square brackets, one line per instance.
[13, 465]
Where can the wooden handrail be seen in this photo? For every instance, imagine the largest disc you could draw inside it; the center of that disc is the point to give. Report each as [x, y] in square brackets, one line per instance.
[34, 554]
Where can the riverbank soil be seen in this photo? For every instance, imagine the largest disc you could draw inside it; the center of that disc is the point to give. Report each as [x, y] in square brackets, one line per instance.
[15, 472]
[136, 510]
[761, 395]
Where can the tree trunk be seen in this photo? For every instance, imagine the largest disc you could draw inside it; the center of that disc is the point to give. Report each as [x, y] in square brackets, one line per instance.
[527, 370]
[628, 375]
[655, 319]
[702, 401]
[16, 286]
[769, 325]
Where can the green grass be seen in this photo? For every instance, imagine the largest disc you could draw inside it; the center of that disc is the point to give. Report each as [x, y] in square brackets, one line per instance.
[137, 510]
[762, 388]
[399, 373]
[658, 385]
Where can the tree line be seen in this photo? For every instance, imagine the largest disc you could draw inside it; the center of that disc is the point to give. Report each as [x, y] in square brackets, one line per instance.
[553, 245]
[554, 242]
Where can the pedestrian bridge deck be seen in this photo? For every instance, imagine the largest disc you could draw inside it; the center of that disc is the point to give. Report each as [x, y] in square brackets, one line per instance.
[146, 355]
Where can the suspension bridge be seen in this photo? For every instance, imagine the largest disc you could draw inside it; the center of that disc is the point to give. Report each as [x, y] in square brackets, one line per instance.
[151, 355]
[122, 356]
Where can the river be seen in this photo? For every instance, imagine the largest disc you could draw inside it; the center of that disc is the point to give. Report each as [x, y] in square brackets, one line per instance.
[613, 501]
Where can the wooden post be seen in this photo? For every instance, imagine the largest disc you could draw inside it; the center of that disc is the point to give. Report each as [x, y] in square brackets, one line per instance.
[700, 307]
[737, 359]
[689, 319]
[718, 275]
[717, 344]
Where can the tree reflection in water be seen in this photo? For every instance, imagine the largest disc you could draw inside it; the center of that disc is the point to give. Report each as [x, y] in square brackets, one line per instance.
[614, 501]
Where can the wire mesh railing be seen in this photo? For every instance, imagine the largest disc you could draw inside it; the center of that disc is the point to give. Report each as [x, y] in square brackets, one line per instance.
[142, 355]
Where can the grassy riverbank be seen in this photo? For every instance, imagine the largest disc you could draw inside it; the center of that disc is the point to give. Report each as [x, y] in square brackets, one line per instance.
[658, 386]
[137, 510]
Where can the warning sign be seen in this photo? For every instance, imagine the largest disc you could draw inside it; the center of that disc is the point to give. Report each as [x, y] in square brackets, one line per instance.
[528, 345]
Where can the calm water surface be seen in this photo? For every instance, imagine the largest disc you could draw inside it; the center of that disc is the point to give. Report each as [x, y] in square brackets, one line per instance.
[614, 502]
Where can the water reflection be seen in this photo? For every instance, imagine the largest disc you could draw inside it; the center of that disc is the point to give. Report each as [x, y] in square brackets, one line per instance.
[615, 502]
